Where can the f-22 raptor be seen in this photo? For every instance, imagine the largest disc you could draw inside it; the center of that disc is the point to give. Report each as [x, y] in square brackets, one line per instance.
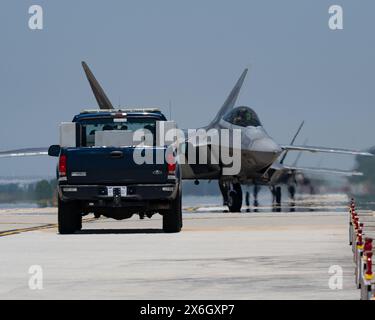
[262, 158]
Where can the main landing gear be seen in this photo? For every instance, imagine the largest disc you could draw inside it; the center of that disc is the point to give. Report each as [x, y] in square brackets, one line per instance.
[232, 196]
[276, 198]
[256, 189]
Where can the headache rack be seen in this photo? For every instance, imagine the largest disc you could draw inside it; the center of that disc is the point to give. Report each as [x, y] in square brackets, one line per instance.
[124, 110]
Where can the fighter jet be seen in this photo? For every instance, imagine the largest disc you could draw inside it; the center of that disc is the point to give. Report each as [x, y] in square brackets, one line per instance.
[262, 158]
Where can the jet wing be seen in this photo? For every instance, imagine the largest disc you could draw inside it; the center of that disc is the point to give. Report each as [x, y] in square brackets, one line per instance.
[327, 150]
[324, 171]
[24, 152]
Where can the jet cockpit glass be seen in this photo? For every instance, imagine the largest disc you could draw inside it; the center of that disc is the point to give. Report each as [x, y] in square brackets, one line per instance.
[243, 117]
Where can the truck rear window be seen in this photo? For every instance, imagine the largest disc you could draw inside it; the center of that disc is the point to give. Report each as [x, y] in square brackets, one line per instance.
[89, 127]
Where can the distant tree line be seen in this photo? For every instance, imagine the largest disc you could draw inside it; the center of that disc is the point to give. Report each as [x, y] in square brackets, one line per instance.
[42, 192]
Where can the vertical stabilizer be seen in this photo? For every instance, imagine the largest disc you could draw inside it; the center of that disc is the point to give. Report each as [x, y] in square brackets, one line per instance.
[101, 97]
[230, 101]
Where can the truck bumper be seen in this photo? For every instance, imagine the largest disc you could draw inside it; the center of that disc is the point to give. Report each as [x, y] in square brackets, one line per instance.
[135, 193]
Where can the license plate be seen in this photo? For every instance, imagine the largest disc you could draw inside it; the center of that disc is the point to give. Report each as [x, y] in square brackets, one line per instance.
[112, 191]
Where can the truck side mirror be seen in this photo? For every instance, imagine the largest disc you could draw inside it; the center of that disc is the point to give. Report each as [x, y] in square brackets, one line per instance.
[54, 150]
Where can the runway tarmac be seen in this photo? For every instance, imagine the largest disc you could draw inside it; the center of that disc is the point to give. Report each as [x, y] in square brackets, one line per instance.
[263, 255]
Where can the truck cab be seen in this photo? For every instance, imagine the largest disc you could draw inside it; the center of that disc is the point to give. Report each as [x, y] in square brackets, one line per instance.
[103, 170]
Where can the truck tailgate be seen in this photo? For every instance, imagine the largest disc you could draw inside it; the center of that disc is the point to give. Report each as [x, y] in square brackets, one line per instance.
[111, 166]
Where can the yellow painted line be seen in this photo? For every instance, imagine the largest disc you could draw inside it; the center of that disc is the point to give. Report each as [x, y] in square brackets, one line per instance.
[42, 227]
[16, 231]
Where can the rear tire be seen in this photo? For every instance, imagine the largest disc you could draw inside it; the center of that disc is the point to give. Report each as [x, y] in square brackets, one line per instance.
[172, 218]
[69, 217]
[79, 221]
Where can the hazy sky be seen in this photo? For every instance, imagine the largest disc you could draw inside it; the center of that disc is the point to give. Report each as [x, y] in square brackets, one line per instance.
[191, 52]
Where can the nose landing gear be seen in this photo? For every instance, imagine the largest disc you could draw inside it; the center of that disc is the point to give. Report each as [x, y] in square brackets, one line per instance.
[232, 195]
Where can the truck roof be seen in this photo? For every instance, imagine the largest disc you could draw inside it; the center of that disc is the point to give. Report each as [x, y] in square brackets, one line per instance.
[95, 113]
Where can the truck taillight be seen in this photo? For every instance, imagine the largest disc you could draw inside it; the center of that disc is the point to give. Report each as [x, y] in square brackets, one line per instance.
[171, 163]
[62, 165]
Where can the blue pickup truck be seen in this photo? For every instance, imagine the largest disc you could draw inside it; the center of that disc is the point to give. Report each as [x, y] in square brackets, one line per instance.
[100, 177]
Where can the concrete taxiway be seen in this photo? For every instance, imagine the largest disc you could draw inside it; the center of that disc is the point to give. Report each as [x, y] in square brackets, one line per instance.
[262, 255]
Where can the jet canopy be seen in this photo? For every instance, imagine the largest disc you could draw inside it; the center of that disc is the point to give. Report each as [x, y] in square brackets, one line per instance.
[243, 117]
